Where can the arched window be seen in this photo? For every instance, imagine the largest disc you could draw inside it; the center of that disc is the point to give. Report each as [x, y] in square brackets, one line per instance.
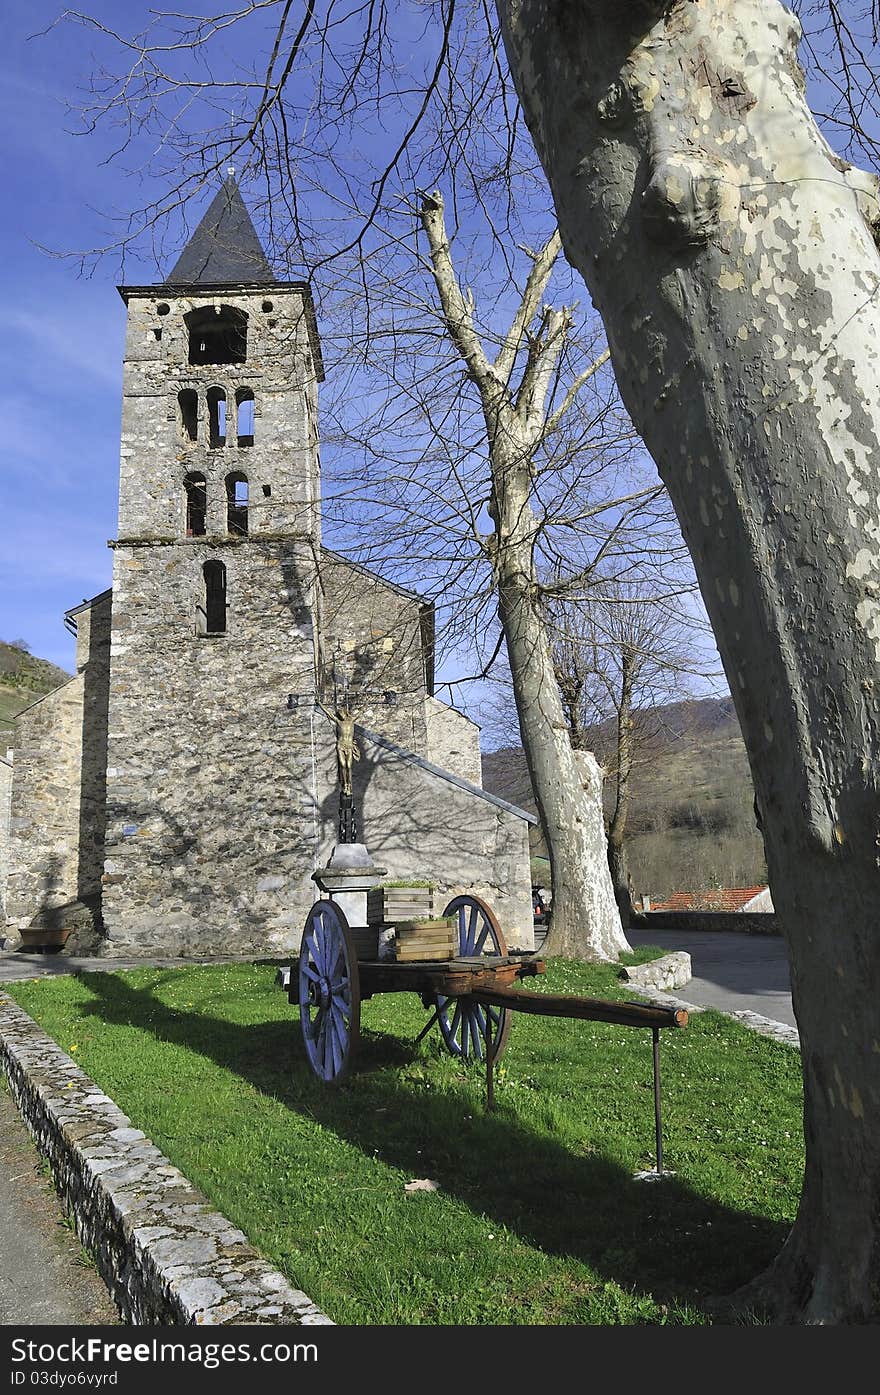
[237, 503]
[214, 611]
[216, 417]
[217, 334]
[196, 491]
[244, 401]
[188, 419]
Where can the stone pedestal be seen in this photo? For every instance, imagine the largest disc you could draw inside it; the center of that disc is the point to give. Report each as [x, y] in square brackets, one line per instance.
[347, 878]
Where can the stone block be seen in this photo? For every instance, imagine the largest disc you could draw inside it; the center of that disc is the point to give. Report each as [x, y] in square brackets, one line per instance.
[670, 971]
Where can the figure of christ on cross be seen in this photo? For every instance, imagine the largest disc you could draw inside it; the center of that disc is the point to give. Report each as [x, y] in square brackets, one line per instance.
[347, 749]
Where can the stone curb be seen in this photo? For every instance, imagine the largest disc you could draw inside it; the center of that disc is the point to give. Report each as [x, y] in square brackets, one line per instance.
[669, 971]
[166, 1256]
[765, 1026]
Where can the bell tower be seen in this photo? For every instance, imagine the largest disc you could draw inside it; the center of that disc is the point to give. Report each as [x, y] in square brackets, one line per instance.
[210, 795]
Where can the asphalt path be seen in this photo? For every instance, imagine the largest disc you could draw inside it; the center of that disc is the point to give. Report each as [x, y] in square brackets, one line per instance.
[46, 1278]
[732, 971]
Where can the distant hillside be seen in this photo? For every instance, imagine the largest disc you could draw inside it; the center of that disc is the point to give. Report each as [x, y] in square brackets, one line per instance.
[23, 678]
[691, 822]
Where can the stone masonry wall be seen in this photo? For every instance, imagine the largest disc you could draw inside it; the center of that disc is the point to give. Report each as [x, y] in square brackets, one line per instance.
[56, 845]
[5, 812]
[419, 823]
[157, 452]
[453, 741]
[211, 820]
[93, 658]
[371, 630]
[45, 813]
[220, 796]
[167, 1257]
[211, 813]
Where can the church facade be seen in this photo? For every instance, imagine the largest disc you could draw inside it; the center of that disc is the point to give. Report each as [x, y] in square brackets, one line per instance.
[181, 789]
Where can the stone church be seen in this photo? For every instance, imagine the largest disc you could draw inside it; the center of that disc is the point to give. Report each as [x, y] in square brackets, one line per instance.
[177, 793]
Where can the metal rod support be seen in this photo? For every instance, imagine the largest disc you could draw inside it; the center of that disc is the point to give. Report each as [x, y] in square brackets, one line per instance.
[658, 1136]
[490, 1064]
[435, 1017]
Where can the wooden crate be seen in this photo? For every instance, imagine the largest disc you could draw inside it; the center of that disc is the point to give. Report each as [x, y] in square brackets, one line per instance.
[426, 939]
[387, 905]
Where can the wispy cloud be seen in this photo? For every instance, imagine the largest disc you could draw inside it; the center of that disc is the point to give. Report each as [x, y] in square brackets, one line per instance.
[74, 335]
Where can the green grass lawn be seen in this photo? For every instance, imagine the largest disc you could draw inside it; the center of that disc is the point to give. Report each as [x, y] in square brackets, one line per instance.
[537, 1220]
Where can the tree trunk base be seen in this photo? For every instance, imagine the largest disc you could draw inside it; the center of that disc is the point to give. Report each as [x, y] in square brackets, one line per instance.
[789, 1294]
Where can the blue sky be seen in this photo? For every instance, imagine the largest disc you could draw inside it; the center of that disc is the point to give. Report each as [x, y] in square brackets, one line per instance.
[62, 350]
[62, 368]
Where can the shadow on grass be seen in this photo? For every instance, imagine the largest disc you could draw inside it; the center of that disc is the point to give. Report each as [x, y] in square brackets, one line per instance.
[658, 1238]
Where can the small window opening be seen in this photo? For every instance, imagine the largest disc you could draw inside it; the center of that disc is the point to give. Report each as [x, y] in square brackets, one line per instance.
[215, 598]
[196, 491]
[237, 504]
[162, 309]
[217, 334]
[267, 307]
[188, 403]
[158, 333]
[267, 491]
[216, 417]
[244, 399]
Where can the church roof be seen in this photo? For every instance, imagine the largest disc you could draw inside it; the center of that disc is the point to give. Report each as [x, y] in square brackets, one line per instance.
[225, 248]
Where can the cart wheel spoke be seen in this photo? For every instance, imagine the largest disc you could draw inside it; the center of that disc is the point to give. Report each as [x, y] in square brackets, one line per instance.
[464, 1027]
[472, 930]
[476, 1039]
[329, 992]
[456, 1018]
[478, 947]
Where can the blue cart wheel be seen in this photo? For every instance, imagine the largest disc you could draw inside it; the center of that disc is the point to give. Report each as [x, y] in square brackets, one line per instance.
[329, 992]
[462, 1023]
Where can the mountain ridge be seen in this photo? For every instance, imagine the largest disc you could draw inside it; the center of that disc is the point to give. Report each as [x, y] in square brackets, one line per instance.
[691, 824]
[23, 679]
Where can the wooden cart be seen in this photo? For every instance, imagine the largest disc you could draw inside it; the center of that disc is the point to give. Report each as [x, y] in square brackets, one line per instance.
[470, 997]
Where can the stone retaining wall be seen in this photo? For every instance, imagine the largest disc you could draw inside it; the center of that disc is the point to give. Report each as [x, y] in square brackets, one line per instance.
[167, 1258]
[761, 923]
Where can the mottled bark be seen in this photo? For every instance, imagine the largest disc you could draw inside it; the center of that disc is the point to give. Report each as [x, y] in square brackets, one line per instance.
[730, 254]
[585, 921]
[617, 859]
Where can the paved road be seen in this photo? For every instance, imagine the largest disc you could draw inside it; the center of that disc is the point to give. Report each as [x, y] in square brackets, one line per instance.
[45, 1277]
[732, 971]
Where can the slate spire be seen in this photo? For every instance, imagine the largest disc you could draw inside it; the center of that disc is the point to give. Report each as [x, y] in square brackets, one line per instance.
[225, 248]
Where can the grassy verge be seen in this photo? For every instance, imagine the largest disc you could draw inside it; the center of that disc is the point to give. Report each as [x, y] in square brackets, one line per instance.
[537, 1219]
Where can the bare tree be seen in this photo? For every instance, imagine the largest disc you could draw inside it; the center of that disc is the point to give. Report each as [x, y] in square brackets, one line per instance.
[483, 483]
[617, 658]
[519, 417]
[730, 253]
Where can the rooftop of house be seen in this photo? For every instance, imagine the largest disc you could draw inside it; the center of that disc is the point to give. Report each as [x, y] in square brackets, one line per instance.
[715, 899]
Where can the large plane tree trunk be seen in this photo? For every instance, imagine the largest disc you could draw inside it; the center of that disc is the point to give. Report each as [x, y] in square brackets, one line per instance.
[730, 254]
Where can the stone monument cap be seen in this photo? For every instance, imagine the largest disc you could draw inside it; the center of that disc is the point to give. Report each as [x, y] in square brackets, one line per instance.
[349, 863]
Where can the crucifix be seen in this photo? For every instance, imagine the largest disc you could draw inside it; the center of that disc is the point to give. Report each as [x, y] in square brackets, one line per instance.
[347, 749]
